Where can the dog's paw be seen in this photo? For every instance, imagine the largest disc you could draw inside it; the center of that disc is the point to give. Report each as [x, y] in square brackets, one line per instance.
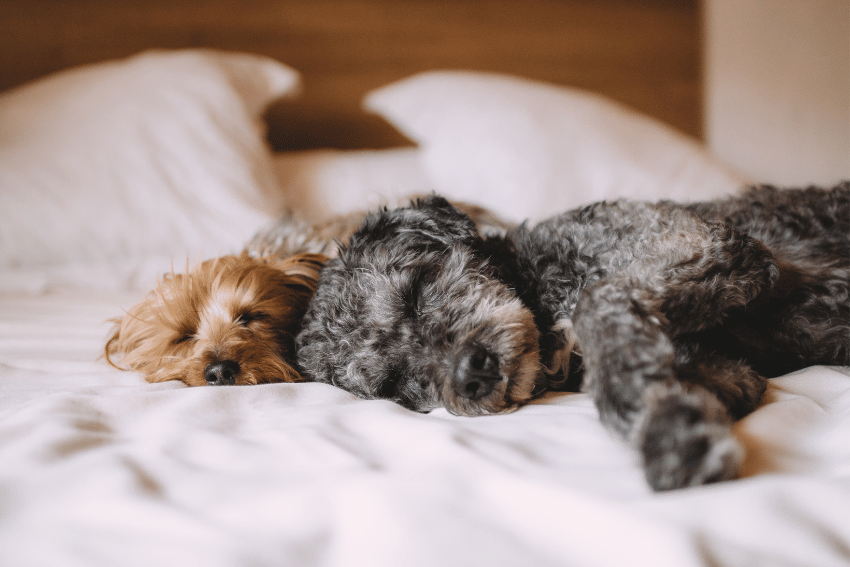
[684, 443]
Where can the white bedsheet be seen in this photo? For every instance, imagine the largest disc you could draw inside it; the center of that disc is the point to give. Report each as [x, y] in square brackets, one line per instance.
[98, 467]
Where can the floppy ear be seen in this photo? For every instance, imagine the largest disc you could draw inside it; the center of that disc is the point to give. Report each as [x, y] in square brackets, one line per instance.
[113, 347]
[304, 268]
[441, 220]
[127, 334]
[423, 224]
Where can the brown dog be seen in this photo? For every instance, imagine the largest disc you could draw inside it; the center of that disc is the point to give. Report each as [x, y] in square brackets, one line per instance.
[230, 320]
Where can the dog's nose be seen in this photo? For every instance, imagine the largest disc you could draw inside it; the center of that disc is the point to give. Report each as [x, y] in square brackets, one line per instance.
[476, 374]
[221, 373]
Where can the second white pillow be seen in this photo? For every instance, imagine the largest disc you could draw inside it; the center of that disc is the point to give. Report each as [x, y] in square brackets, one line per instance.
[528, 150]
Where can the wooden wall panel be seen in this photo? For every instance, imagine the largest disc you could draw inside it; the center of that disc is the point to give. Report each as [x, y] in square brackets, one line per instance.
[645, 53]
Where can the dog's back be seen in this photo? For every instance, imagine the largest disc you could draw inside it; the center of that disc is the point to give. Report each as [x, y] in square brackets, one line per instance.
[804, 226]
[805, 319]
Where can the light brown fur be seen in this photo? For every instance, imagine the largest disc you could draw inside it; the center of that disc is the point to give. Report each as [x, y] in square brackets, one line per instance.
[235, 312]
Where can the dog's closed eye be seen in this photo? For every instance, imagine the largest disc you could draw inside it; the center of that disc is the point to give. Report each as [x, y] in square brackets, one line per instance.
[410, 296]
[388, 387]
[247, 317]
[415, 292]
[184, 338]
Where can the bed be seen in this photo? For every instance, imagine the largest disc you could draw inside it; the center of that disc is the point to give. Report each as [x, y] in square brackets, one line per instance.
[134, 140]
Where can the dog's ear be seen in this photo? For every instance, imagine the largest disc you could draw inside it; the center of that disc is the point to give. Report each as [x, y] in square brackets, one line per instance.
[426, 224]
[441, 220]
[128, 334]
[113, 346]
[302, 268]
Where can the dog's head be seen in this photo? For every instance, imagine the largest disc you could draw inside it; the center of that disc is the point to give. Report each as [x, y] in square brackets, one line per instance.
[230, 320]
[416, 310]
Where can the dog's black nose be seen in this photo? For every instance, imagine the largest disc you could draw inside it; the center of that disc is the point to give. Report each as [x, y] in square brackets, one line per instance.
[476, 374]
[222, 373]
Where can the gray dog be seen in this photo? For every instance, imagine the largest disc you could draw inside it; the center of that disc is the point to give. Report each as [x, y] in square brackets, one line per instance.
[670, 316]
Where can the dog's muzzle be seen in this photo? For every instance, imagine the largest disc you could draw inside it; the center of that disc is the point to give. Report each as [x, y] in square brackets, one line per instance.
[221, 373]
[476, 374]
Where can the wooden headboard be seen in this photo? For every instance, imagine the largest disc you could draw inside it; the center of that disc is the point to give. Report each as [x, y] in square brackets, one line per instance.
[645, 53]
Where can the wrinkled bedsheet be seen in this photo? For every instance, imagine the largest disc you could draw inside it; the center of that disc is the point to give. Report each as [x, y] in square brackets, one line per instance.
[98, 467]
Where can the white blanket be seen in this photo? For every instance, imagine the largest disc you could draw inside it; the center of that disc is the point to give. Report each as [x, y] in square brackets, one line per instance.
[99, 468]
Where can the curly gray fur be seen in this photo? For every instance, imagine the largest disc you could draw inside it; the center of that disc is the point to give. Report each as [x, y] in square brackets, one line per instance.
[294, 234]
[671, 316]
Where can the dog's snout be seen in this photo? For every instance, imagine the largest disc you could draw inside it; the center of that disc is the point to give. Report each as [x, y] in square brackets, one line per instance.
[221, 373]
[476, 374]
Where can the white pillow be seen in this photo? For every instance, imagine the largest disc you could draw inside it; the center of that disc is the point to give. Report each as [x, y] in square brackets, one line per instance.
[321, 184]
[527, 149]
[161, 154]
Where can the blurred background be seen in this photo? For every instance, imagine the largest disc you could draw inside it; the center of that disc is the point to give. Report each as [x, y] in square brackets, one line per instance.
[777, 87]
[764, 83]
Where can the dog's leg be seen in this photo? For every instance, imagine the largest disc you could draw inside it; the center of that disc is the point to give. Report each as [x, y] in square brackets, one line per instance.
[728, 270]
[666, 411]
[677, 412]
[684, 436]
[736, 384]
[654, 274]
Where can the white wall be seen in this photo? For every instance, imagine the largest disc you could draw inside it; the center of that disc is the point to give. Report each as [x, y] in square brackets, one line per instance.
[778, 88]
